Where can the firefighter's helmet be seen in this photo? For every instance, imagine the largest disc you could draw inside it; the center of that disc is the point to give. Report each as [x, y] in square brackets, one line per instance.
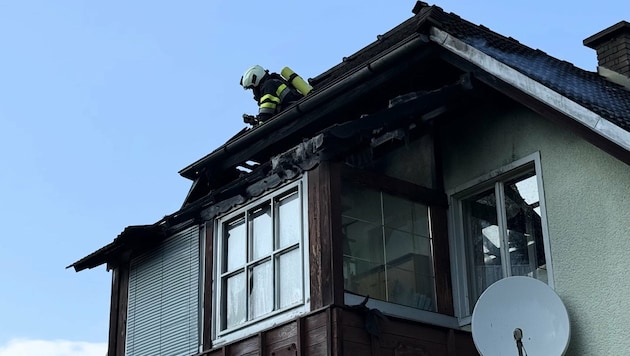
[252, 77]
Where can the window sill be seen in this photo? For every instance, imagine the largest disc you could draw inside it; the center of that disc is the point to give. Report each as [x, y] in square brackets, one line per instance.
[405, 312]
[255, 326]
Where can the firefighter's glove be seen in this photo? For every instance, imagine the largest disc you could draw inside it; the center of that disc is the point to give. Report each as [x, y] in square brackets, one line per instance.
[250, 119]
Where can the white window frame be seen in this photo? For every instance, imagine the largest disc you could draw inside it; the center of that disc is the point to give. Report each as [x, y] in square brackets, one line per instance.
[403, 311]
[221, 337]
[457, 243]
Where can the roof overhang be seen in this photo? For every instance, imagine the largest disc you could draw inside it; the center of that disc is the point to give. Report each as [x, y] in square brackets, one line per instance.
[122, 247]
[543, 94]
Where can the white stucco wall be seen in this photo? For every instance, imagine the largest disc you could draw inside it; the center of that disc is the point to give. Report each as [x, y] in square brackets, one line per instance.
[588, 211]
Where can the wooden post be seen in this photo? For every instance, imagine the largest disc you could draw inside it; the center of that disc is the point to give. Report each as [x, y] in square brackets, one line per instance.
[324, 219]
[208, 238]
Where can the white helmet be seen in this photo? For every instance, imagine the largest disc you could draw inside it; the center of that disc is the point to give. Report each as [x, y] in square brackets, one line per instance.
[252, 77]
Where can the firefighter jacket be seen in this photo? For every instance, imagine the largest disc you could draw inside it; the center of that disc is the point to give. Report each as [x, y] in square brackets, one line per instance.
[274, 94]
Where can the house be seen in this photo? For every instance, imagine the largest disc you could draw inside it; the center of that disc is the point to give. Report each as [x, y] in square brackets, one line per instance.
[423, 168]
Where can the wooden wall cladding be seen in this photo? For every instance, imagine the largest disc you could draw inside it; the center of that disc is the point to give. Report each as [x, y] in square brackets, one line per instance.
[337, 330]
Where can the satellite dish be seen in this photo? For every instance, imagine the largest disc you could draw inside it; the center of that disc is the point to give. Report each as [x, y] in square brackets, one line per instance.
[520, 316]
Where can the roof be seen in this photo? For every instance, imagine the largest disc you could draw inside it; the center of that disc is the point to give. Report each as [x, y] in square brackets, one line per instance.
[131, 237]
[588, 89]
[593, 104]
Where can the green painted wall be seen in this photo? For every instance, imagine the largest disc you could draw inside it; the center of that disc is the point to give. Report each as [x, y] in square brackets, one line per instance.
[588, 211]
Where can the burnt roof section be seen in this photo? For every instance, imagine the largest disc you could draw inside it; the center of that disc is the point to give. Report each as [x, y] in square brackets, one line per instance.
[412, 113]
[590, 90]
[350, 65]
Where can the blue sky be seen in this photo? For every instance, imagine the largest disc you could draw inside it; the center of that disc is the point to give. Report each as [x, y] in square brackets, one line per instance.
[101, 103]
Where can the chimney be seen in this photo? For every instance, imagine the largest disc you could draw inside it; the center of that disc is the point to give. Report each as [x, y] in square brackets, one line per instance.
[613, 52]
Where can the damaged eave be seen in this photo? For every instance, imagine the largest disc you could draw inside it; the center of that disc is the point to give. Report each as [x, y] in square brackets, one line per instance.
[335, 142]
[314, 112]
[420, 106]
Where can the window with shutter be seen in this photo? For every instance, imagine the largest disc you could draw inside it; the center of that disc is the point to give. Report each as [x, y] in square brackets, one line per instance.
[164, 304]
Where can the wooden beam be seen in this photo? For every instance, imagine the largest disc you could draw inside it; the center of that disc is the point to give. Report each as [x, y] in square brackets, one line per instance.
[395, 186]
[441, 260]
[208, 259]
[437, 170]
[123, 298]
[326, 259]
[113, 313]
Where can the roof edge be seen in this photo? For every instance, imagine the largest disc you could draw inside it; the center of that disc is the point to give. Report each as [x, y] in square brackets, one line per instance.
[535, 89]
[311, 102]
[132, 236]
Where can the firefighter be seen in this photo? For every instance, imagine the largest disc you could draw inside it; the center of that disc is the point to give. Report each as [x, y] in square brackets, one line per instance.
[272, 93]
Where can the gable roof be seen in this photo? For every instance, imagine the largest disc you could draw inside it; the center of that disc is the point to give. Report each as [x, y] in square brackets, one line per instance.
[589, 89]
[596, 108]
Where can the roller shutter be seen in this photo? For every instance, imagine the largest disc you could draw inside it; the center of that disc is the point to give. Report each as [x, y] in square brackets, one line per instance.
[164, 302]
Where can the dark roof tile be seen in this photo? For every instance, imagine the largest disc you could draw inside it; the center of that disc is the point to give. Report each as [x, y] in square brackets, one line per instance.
[609, 100]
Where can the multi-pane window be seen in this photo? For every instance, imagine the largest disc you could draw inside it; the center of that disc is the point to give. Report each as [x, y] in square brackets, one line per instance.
[502, 228]
[387, 248]
[260, 264]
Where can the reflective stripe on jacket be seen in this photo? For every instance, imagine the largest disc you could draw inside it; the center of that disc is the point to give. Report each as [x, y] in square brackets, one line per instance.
[275, 96]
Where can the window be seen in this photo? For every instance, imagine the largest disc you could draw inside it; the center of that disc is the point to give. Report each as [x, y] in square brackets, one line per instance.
[261, 263]
[164, 303]
[502, 229]
[387, 248]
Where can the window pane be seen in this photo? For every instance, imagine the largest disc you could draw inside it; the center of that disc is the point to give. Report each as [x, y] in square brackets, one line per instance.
[407, 283]
[484, 242]
[290, 281]
[397, 213]
[363, 241]
[262, 240]
[527, 254]
[236, 244]
[387, 253]
[361, 203]
[399, 244]
[289, 221]
[364, 278]
[261, 294]
[235, 300]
